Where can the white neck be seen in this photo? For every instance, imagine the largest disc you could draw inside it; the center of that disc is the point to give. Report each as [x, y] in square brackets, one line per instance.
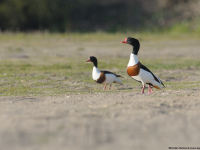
[133, 60]
[95, 73]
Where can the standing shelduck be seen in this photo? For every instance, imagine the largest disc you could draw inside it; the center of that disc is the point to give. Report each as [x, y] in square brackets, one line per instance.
[138, 71]
[103, 77]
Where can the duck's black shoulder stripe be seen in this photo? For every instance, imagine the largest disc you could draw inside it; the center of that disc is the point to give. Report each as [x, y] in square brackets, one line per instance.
[146, 69]
[108, 72]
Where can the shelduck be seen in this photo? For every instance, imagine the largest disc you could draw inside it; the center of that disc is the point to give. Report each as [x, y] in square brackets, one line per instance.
[103, 77]
[138, 71]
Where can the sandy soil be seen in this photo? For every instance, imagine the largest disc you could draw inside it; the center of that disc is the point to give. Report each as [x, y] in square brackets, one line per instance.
[108, 121]
[101, 121]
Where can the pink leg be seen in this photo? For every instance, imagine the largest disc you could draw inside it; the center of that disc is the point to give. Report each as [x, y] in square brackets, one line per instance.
[150, 90]
[143, 89]
[104, 87]
[110, 86]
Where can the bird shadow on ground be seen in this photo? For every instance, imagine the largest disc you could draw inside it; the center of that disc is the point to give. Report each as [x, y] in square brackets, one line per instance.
[125, 88]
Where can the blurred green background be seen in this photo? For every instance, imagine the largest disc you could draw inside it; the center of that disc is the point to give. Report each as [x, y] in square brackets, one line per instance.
[105, 15]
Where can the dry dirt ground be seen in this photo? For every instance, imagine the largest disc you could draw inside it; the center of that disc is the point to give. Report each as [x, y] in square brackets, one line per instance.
[101, 121]
[109, 121]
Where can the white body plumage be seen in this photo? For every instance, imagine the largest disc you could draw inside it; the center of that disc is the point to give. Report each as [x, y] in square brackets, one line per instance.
[109, 78]
[143, 76]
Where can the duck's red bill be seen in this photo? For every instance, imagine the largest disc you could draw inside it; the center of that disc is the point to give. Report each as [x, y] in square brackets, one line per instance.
[125, 41]
[88, 60]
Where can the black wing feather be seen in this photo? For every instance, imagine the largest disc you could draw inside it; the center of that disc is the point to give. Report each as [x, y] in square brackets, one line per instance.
[108, 72]
[146, 69]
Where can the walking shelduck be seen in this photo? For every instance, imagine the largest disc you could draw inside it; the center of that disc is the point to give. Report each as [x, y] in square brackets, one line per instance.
[103, 77]
[138, 71]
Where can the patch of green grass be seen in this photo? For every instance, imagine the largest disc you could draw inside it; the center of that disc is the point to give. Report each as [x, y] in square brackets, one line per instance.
[25, 78]
[182, 85]
[175, 63]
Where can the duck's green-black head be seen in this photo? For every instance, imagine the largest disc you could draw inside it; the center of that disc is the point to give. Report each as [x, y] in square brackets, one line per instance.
[92, 59]
[134, 42]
